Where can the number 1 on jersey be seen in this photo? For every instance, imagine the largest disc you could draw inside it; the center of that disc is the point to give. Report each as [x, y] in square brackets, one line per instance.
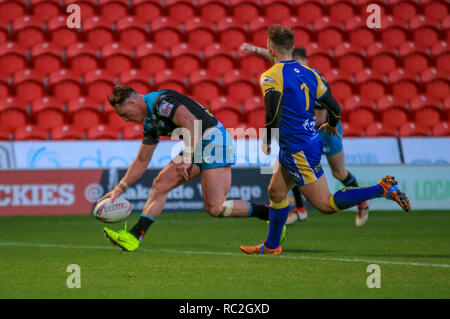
[305, 87]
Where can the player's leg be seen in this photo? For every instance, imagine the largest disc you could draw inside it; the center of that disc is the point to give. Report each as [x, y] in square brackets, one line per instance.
[336, 159]
[280, 184]
[166, 180]
[299, 212]
[216, 183]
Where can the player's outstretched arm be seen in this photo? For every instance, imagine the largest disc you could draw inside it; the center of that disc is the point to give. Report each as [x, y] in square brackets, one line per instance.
[249, 48]
[134, 172]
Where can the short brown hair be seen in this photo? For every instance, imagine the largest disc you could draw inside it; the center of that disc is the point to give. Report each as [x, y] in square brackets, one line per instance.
[120, 94]
[281, 37]
[299, 52]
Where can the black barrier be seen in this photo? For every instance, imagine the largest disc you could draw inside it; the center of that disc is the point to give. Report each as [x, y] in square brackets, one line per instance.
[246, 184]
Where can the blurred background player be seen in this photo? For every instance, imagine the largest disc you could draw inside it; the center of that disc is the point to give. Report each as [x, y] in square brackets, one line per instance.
[332, 147]
[208, 153]
[290, 91]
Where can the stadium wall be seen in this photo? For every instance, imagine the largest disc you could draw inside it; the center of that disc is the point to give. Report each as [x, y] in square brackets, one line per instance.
[36, 171]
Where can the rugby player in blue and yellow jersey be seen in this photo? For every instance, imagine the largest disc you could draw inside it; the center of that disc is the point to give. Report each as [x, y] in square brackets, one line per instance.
[290, 91]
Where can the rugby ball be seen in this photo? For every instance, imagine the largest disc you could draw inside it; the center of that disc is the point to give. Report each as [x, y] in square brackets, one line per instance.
[108, 212]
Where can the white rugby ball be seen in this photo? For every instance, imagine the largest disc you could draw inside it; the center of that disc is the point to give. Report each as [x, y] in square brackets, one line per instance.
[108, 212]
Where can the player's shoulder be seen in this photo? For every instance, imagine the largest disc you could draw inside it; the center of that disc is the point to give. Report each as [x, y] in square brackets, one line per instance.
[275, 73]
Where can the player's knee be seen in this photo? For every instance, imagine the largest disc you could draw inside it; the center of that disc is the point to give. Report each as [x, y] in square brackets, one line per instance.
[276, 195]
[214, 209]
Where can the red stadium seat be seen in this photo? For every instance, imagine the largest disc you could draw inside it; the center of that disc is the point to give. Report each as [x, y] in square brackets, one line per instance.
[83, 112]
[28, 84]
[102, 132]
[99, 84]
[98, 31]
[382, 57]
[45, 9]
[13, 113]
[116, 58]
[11, 9]
[340, 10]
[151, 58]
[132, 31]
[199, 33]
[136, 79]
[436, 9]
[46, 58]
[318, 57]
[255, 112]
[113, 9]
[185, 59]
[441, 129]
[358, 32]
[5, 135]
[380, 130]
[371, 84]
[447, 107]
[227, 111]
[29, 132]
[425, 30]
[258, 31]
[446, 27]
[440, 52]
[403, 83]
[5, 89]
[238, 85]
[13, 58]
[47, 112]
[245, 10]
[341, 85]
[359, 111]
[349, 130]
[113, 120]
[205, 86]
[308, 11]
[60, 35]
[87, 8]
[212, 10]
[302, 32]
[436, 83]
[253, 64]
[81, 58]
[276, 10]
[414, 56]
[168, 79]
[412, 129]
[427, 111]
[66, 132]
[351, 59]
[147, 10]
[329, 33]
[219, 59]
[242, 131]
[231, 32]
[394, 111]
[166, 32]
[64, 84]
[404, 10]
[133, 132]
[180, 10]
[28, 30]
[3, 31]
[394, 32]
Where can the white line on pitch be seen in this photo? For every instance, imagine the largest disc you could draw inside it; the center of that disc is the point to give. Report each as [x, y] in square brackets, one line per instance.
[196, 252]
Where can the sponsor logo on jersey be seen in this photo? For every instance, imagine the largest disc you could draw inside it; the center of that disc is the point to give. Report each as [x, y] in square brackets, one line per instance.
[165, 108]
[267, 80]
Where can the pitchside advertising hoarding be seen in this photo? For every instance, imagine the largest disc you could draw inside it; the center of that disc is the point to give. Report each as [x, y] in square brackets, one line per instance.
[51, 192]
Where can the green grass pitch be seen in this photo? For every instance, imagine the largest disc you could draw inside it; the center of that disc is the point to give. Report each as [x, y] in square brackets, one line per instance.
[192, 255]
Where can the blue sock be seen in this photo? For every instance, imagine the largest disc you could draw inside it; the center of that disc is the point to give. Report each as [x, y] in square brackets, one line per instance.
[352, 196]
[278, 213]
